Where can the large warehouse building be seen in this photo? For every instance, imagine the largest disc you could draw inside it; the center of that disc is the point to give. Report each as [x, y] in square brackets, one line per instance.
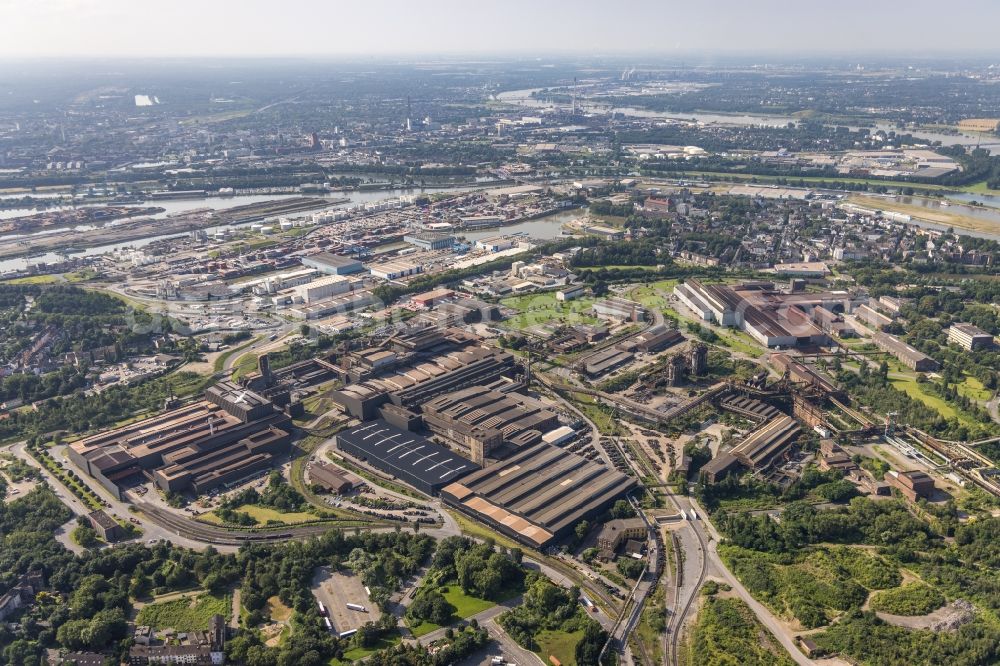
[417, 368]
[908, 355]
[768, 444]
[410, 458]
[773, 318]
[538, 494]
[228, 436]
[483, 420]
[333, 264]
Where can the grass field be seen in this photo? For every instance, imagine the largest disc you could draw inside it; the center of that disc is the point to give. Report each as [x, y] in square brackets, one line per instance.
[604, 421]
[244, 365]
[85, 275]
[979, 188]
[34, 279]
[729, 337]
[423, 628]
[537, 309]
[263, 514]
[465, 606]
[654, 295]
[559, 644]
[481, 531]
[906, 381]
[220, 360]
[741, 342]
[278, 611]
[355, 654]
[973, 389]
[910, 387]
[185, 614]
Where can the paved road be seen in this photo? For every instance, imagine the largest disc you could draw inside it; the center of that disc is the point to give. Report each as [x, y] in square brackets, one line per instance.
[694, 569]
[764, 615]
[234, 619]
[63, 537]
[118, 508]
[487, 620]
[480, 617]
[61, 491]
[282, 329]
[513, 652]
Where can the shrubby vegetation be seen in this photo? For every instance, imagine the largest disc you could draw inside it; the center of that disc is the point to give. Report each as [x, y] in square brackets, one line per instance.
[100, 586]
[547, 606]
[461, 644]
[80, 413]
[726, 632]
[864, 521]
[790, 566]
[872, 642]
[910, 599]
[277, 495]
[620, 253]
[809, 587]
[630, 568]
[747, 491]
[481, 569]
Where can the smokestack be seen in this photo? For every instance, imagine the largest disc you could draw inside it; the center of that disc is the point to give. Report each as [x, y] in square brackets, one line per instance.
[264, 368]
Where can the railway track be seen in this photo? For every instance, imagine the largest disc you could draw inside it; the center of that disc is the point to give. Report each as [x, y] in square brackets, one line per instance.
[221, 536]
[198, 531]
[676, 622]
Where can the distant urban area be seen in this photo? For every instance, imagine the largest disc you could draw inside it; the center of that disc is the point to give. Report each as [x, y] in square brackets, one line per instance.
[519, 362]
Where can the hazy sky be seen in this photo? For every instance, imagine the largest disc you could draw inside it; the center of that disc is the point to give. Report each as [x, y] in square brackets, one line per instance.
[380, 27]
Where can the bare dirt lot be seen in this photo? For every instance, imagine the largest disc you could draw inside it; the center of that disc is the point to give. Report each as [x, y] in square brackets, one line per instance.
[336, 590]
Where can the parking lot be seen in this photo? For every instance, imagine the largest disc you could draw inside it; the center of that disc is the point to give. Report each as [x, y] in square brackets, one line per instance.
[335, 591]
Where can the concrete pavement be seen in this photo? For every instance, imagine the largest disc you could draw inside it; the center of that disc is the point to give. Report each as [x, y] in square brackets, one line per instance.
[63, 537]
[514, 652]
[481, 617]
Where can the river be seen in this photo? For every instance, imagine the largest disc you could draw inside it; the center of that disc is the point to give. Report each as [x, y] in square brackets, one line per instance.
[938, 206]
[991, 200]
[523, 98]
[986, 214]
[174, 206]
[543, 228]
